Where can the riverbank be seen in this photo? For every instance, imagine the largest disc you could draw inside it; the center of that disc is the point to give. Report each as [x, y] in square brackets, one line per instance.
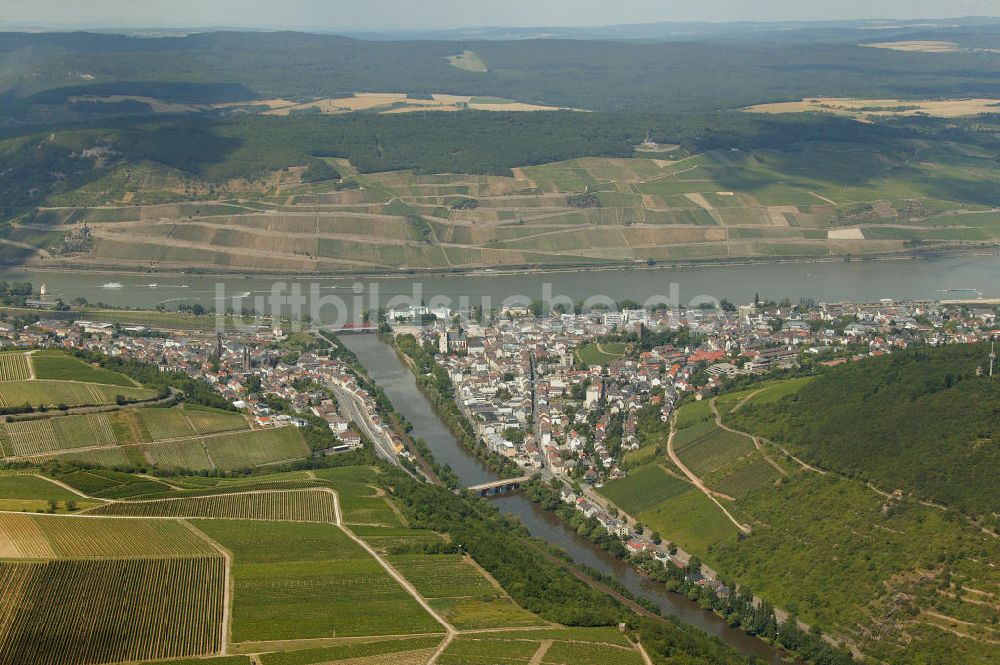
[755, 616]
[503, 271]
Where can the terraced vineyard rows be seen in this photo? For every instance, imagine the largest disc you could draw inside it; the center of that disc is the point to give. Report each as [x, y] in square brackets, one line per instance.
[210, 422]
[70, 612]
[53, 393]
[14, 366]
[36, 437]
[27, 536]
[165, 423]
[297, 506]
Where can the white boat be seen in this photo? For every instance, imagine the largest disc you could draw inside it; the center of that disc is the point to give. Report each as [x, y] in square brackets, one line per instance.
[112, 285]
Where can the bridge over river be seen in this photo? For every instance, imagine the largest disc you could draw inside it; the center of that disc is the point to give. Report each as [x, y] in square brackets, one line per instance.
[499, 486]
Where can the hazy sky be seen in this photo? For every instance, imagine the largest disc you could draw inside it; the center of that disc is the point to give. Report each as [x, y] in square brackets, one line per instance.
[382, 14]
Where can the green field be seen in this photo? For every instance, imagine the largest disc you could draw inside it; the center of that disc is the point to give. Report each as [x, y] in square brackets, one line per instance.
[274, 561]
[397, 650]
[693, 413]
[468, 61]
[257, 448]
[59, 366]
[385, 539]
[359, 502]
[107, 484]
[600, 354]
[593, 646]
[643, 488]
[705, 448]
[691, 520]
[296, 506]
[29, 493]
[456, 589]
[53, 393]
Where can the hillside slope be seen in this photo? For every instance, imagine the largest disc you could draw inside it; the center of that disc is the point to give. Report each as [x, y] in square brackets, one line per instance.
[920, 421]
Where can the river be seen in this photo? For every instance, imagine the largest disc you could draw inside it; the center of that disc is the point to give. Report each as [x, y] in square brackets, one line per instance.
[386, 369]
[932, 279]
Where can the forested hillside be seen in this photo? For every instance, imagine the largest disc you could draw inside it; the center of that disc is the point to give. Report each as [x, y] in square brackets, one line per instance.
[922, 421]
[597, 75]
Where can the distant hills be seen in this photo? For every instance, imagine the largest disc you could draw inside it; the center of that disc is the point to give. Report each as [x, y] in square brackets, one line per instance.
[698, 68]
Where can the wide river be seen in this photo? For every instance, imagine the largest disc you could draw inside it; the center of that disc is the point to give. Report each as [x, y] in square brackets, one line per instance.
[336, 300]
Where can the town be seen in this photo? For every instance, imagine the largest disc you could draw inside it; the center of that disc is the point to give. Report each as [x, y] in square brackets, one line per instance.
[564, 397]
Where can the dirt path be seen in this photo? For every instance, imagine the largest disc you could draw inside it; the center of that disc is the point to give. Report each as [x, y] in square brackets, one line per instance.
[450, 630]
[823, 198]
[695, 480]
[804, 465]
[543, 648]
[642, 652]
[69, 488]
[227, 586]
[739, 405]
[756, 441]
[31, 365]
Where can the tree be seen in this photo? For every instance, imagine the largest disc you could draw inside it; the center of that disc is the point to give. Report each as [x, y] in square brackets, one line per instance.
[656, 538]
[693, 565]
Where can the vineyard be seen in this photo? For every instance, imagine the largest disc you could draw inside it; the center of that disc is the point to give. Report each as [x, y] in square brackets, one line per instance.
[28, 536]
[189, 455]
[247, 449]
[71, 612]
[36, 437]
[59, 366]
[398, 650]
[52, 393]
[705, 448]
[574, 646]
[14, 367]
[296, 506]
[457, 589]
[296, 581]
[214, 422]
[441, 575]
[165, 423]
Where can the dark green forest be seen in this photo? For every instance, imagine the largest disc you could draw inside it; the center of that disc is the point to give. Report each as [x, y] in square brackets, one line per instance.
[597, 75]
[922, 421]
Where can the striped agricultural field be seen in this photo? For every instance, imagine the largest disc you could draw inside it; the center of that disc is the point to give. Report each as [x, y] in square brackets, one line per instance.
[15, 366]
[210, 422]
[72, 393]
[42, 436]
[31, 437]
[78, 612]
[282, 505]
[34, 536]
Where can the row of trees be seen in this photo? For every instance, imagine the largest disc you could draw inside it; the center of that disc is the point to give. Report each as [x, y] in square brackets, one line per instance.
[737, 606]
